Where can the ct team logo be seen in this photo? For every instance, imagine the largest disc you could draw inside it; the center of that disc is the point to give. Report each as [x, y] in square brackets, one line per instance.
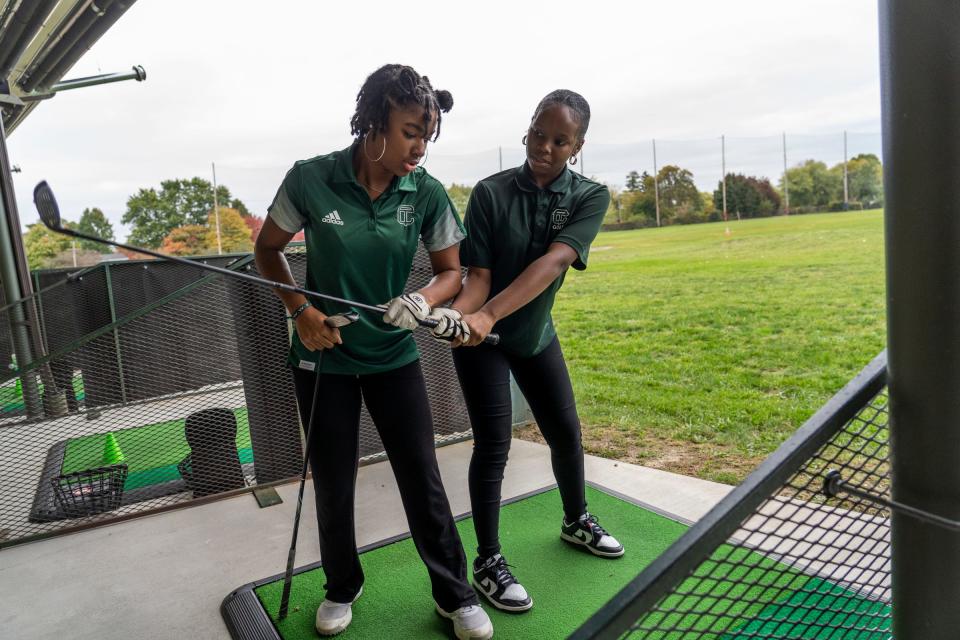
[559, 218]
[405, 214]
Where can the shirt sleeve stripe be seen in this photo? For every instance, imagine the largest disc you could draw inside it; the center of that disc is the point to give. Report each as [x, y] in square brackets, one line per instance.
[284, 214]
[445, 233]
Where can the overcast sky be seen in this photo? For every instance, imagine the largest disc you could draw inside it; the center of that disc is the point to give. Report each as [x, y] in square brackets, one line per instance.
[254, 86]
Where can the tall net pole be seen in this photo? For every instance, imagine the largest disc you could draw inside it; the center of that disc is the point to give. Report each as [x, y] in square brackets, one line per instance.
[656, 187]
[216, 208]
[786, 184]
[723, 173]
[919, 65]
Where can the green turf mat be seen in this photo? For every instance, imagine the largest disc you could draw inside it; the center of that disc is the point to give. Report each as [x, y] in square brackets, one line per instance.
[819, 611]
[150, 451]
[737, 584]
[11, 397]
[170, 473]
[11, 394]
[567, 585]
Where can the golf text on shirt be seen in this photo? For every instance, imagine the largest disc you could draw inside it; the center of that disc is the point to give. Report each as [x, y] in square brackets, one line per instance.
[362, 250]
[511, 222]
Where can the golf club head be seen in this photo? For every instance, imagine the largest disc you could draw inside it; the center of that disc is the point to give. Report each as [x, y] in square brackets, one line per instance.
[342, 319]
[47, 205]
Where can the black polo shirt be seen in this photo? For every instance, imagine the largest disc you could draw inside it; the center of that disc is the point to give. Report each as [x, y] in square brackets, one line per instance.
[511, 222]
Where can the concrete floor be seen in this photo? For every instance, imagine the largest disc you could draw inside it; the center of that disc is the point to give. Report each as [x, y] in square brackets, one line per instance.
[164, 576]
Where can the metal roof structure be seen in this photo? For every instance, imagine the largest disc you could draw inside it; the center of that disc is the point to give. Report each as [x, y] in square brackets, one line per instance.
[41, 40]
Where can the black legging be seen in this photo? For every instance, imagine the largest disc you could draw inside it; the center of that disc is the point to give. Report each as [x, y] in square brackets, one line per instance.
[397, 402]
[484, 373]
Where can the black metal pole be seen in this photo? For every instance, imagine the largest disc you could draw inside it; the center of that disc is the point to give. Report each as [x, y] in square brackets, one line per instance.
[920, 67]
[15, 281]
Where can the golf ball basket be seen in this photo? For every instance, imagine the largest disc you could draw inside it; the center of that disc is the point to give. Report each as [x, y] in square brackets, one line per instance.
[90, 492]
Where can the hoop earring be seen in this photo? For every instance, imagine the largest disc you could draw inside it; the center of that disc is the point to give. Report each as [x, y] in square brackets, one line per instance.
[426, 154]
[523, 141]
[383, 151]
[573, 160]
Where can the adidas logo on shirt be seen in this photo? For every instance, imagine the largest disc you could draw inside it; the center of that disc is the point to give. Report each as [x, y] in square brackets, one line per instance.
[332, 218]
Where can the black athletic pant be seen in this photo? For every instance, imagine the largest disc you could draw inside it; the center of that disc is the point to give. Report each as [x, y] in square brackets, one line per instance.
[397, 402]
[484, 373]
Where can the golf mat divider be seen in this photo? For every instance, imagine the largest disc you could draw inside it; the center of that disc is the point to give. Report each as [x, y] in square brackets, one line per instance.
[247, 619]
[779, 511]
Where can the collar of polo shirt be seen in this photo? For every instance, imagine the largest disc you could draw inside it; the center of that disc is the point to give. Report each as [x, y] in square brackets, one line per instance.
[343, 172]
[560, 185]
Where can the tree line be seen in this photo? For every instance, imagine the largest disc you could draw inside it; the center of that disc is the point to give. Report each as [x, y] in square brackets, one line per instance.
[179, 218]
[809, 186]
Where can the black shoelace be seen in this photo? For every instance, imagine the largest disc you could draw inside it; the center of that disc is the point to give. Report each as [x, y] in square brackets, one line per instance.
[594, 525]
[502, 573]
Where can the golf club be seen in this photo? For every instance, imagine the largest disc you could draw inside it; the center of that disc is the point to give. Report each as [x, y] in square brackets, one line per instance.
[336, 321]
[50, 216]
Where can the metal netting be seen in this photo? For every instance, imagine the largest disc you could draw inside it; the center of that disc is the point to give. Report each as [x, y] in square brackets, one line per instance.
[779, 558]
[176, 376]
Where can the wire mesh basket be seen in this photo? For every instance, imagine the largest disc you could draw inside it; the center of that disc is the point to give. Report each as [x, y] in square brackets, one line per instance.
[89, 492]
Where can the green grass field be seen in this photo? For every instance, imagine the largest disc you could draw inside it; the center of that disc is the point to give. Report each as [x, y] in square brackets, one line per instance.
[699, 351]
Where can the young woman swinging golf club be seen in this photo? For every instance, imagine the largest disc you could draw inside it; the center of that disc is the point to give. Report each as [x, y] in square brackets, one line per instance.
[526, 227]
[364, 210]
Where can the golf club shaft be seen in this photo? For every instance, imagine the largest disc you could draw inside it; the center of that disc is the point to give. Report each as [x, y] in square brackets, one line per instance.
[425, 322]
[292, 553]
[226, 272]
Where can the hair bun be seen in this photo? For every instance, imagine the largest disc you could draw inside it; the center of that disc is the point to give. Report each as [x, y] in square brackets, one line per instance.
[444, 100]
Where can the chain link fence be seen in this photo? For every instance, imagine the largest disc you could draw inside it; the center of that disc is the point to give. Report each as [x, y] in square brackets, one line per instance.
[608, 160]
[779, 558]
[145, 385]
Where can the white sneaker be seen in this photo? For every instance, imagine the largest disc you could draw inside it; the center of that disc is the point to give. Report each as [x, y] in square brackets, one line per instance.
[469, 622]
[493, 578]
[586, 532]
[334, 617]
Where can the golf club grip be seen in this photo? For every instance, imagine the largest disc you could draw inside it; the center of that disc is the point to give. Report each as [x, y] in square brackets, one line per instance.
[491, 339]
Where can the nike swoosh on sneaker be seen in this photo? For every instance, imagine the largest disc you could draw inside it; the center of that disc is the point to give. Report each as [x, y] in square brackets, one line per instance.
[583, 535]
[488, 586]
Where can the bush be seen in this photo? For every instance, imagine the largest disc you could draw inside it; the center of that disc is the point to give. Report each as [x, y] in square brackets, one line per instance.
[689, 217]
[632, 224]
[849, 206]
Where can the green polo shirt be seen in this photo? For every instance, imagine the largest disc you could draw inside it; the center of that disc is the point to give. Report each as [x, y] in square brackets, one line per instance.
[511, 222]
[361, 250]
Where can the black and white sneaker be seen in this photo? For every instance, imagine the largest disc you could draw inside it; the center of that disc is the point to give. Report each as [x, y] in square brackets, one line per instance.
[586, 532]
[493, 579]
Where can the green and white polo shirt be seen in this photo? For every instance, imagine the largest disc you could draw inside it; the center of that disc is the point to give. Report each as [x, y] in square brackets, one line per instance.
[361, 250]
[511, 222]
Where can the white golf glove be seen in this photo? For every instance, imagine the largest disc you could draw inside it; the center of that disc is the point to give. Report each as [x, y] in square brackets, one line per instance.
[404, 311]
[450, 325]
